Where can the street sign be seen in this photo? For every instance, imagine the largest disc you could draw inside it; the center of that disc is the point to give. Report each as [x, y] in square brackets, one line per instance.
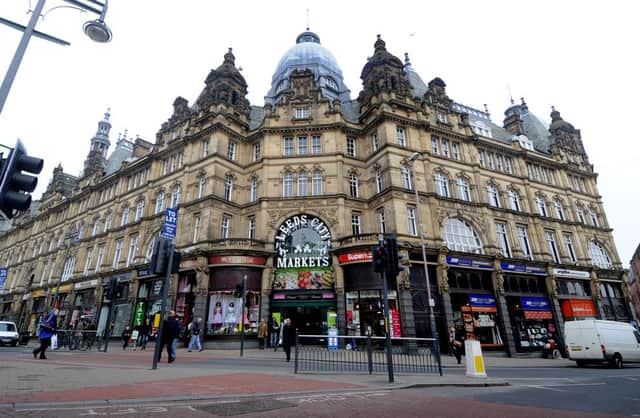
[170, 222]
[332, 340]
[3, 277]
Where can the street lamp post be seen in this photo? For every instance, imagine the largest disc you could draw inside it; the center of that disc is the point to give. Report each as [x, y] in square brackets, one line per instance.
[432, 319]
[97, 30]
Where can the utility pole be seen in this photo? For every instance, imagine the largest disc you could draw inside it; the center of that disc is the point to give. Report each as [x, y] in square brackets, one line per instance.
[163, 310]
[387, 330]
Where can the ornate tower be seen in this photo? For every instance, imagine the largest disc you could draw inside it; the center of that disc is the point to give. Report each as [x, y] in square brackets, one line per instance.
[566, 142]
[97, 157]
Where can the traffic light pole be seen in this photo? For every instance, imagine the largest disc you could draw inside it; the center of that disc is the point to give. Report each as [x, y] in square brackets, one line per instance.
[163, 310]
[387, 330]
[244, 302]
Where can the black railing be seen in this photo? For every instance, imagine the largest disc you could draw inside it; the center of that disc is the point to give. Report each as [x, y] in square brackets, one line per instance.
[365, 355]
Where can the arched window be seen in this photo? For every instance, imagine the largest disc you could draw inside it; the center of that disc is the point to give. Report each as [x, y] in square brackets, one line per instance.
[559, 209]
[542, 206]
[303, 181]
[599, 255]
[464, 192]
[287, 185]
[494, 198]
[460, 236]
[316, 181]
[442, 184]
[160, 202]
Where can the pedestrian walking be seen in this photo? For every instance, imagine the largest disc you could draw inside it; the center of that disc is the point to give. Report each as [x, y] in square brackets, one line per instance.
[194, 330]
[288, 337]
[143, 334]
[170, 332]
[46, 330]
[126, 336]
[275, 333]
[262, 333]
[458, 344]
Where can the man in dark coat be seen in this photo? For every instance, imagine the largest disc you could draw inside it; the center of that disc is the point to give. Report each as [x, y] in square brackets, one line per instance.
[47, 329]
[288, 337]
[170, 331]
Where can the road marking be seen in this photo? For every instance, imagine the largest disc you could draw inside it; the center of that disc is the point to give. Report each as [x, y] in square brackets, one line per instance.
[546, 388]
[564, 385]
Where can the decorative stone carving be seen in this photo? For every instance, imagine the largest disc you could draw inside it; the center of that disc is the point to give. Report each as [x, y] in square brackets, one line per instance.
[498, 282]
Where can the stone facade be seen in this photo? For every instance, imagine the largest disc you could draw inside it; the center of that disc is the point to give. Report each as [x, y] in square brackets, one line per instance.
[516, 236]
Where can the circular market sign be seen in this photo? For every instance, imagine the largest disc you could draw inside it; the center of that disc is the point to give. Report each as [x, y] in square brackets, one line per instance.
[302, 247]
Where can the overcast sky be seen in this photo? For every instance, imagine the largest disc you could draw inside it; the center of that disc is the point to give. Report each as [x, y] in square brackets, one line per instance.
[581, 57]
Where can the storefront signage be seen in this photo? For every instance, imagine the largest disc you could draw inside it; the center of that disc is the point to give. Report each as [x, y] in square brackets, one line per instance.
[537, 315]
[156, 288]
[522, 268]
[482, 303]
[139, 313]
[37, 293]
[144, 272]
[3, 277]
[302, 254]
[304, 296]
[576, 274]
[572, 308]
[535, 304]
[355, 256]
[65, 288]
[469, 262]
[86, 285]
[237, 259]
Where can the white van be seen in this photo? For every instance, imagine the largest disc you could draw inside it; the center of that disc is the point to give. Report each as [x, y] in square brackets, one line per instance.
[596, 341]
[8, 333]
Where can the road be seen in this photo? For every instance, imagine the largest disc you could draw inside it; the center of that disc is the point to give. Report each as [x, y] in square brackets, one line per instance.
[558, 391]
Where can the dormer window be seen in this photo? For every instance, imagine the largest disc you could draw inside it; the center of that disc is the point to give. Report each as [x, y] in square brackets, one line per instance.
[302, 113]
[331, 83]
[281, 86]
[442, 117]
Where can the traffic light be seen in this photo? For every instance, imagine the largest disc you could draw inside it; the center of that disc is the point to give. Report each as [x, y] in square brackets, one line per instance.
[159, 257]
[394, 266]
[379, 258]
[175, 265]
[16, 187]
[239, 292]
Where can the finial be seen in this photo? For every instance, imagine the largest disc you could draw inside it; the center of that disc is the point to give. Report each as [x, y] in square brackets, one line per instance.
[407, 62]
[553, 108]
[523, 102]
[486, 109]
[307, 18]
[119, 135]
[107, 114]
[229, 57]
[510, 95]
[125, 134]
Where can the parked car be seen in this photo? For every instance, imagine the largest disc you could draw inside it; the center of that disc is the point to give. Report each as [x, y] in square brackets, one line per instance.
[9, 333]
[597, 341]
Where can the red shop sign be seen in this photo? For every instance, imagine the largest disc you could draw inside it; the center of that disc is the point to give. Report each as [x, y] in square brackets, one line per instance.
[355, 256]
[237, 259]
[578, 308]
[537, 315]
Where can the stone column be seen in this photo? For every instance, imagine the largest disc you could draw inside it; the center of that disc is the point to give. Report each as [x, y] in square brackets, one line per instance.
[443, 287]
[341, 306]
[265, 293]
[405, 303]
[555, 307]
[503, 310]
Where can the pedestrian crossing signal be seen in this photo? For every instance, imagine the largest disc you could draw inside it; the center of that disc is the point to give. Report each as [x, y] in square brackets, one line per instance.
[378, 258]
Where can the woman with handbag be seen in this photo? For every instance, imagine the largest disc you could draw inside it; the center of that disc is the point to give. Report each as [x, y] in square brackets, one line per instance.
[46, 330]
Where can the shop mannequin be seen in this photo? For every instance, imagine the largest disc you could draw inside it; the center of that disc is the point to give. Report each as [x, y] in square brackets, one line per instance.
[230, 317]
[217, 314]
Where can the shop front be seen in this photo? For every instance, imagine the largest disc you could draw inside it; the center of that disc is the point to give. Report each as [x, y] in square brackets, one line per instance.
[303, 286]
[38, 308]
[226, 315]
[531, 316]
[84, 302]
[116, 312]
[573, 288]
[65, 304]
[473, 303]
[148, 300]
[6, 312]
[612, 302]
[185, 297]
[364, 303]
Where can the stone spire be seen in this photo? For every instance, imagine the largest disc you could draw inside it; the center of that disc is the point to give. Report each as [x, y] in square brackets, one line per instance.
[97, 157]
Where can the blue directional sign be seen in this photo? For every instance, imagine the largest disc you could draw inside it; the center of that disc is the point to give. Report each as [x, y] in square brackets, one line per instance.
[3, 277]
[332, 340]
[170, 222]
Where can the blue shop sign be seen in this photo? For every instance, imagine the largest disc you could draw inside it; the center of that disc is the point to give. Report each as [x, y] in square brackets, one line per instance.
[535, 304]
[482, 301]
[469, 262]
[522, 268]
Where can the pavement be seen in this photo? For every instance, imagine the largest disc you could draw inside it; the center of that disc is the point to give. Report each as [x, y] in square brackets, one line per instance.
[96, 378]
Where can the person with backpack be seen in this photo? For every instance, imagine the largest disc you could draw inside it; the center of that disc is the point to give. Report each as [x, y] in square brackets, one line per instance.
[194, 330]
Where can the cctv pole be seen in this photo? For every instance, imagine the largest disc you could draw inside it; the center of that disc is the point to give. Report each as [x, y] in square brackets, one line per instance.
[163, 310]
[244, 298]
